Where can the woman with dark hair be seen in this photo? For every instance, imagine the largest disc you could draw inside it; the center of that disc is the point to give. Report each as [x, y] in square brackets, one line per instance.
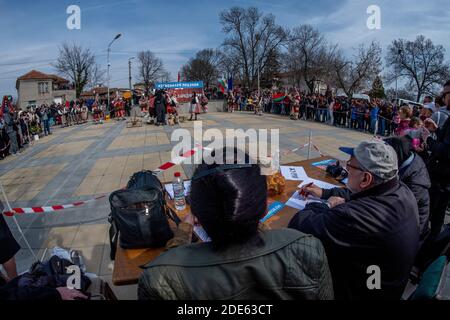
[413, 172]
[195, 107]
[242, 261]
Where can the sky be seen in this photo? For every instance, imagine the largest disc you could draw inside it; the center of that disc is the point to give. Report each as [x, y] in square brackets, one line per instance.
[31, 31]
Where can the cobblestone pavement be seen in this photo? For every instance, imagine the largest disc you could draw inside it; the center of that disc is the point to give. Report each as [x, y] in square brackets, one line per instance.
[77, 163]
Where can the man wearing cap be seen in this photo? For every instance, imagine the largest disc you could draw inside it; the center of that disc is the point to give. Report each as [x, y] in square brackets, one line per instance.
[373, 224]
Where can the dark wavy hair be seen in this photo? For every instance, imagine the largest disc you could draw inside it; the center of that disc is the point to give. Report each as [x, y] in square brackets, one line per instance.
[229, 204]
[402, 146]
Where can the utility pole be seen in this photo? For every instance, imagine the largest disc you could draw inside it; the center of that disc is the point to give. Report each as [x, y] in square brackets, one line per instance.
[129, 72]
[109, 66]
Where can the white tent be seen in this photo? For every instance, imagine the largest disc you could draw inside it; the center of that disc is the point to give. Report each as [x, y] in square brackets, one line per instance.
[361, 96]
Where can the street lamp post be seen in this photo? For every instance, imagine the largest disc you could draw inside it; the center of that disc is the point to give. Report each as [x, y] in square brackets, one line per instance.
[109, 66]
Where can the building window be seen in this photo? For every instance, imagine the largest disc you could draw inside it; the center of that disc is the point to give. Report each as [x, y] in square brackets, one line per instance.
[43, 87]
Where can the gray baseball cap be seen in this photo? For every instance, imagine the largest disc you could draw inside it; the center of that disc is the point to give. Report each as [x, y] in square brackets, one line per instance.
[377, 157]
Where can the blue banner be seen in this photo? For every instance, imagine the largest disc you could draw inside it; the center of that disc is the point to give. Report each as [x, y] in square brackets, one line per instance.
[230, 84]
[180, 85]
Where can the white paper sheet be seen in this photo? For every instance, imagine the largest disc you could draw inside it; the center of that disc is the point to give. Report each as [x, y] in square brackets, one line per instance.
[187, 188]
[319, 183]
[299, 203]
[294, 173]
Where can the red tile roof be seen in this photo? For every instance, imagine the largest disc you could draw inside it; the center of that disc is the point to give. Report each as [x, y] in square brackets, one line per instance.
[37, 75]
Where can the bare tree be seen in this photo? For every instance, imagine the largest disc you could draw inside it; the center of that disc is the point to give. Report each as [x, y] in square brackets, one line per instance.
[420, 62]
[252, 38]
[151, 69]
[305, 51]
[358, 73]
[204, 67]
[97, 77]
[230, 65]
[165, 76]
[77, 64]
[402, 93]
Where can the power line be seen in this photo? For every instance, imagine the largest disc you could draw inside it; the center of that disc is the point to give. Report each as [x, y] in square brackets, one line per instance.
[27, 68]
[23, 63]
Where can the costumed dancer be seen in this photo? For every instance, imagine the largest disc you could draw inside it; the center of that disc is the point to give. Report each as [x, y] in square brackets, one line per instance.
[204, 103]
[231, 100]
[195, 106]
[122, 109]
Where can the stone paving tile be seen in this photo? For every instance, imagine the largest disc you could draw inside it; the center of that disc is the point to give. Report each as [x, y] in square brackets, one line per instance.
[90, 235]
[93, 133]
[70, 148]
[88, 186]
[138, 141]
[106, 125]
[145, 129]
[49, 138]
[205, 123]
[24, 184]
[60, 237]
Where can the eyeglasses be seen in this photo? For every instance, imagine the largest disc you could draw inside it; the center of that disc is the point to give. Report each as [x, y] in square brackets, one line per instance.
[348, 165]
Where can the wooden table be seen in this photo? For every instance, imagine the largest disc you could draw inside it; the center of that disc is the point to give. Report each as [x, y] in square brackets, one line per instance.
[127, 266]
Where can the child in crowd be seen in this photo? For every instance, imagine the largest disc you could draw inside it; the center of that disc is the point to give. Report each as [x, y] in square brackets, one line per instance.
[418, 133]
[405, 115]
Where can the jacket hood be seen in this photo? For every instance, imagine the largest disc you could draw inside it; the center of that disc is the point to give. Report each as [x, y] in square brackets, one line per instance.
[416, 173]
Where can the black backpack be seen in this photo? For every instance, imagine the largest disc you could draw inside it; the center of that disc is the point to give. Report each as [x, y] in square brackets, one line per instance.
[140, 215]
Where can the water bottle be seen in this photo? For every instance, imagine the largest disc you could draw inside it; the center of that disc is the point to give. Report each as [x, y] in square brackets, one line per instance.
[77, 259]
[178, 192]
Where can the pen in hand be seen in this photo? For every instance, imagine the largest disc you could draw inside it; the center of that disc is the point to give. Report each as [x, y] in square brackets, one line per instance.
[303, 192]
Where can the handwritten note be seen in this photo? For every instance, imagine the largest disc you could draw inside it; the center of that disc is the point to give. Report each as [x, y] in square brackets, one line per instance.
[299, 203]
[294, 173]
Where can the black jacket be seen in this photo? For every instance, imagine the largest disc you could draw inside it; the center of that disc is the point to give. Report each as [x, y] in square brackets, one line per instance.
[8, 245]
[11, 292]
[439, 162]
[288, 265]
[379, 226]
[417, 179]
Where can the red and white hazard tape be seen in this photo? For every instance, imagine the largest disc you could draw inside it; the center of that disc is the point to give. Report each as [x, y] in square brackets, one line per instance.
[178, 160]
[48, 209]
[296, 149]
[318, 150]
[164, 167]
[301, 148]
